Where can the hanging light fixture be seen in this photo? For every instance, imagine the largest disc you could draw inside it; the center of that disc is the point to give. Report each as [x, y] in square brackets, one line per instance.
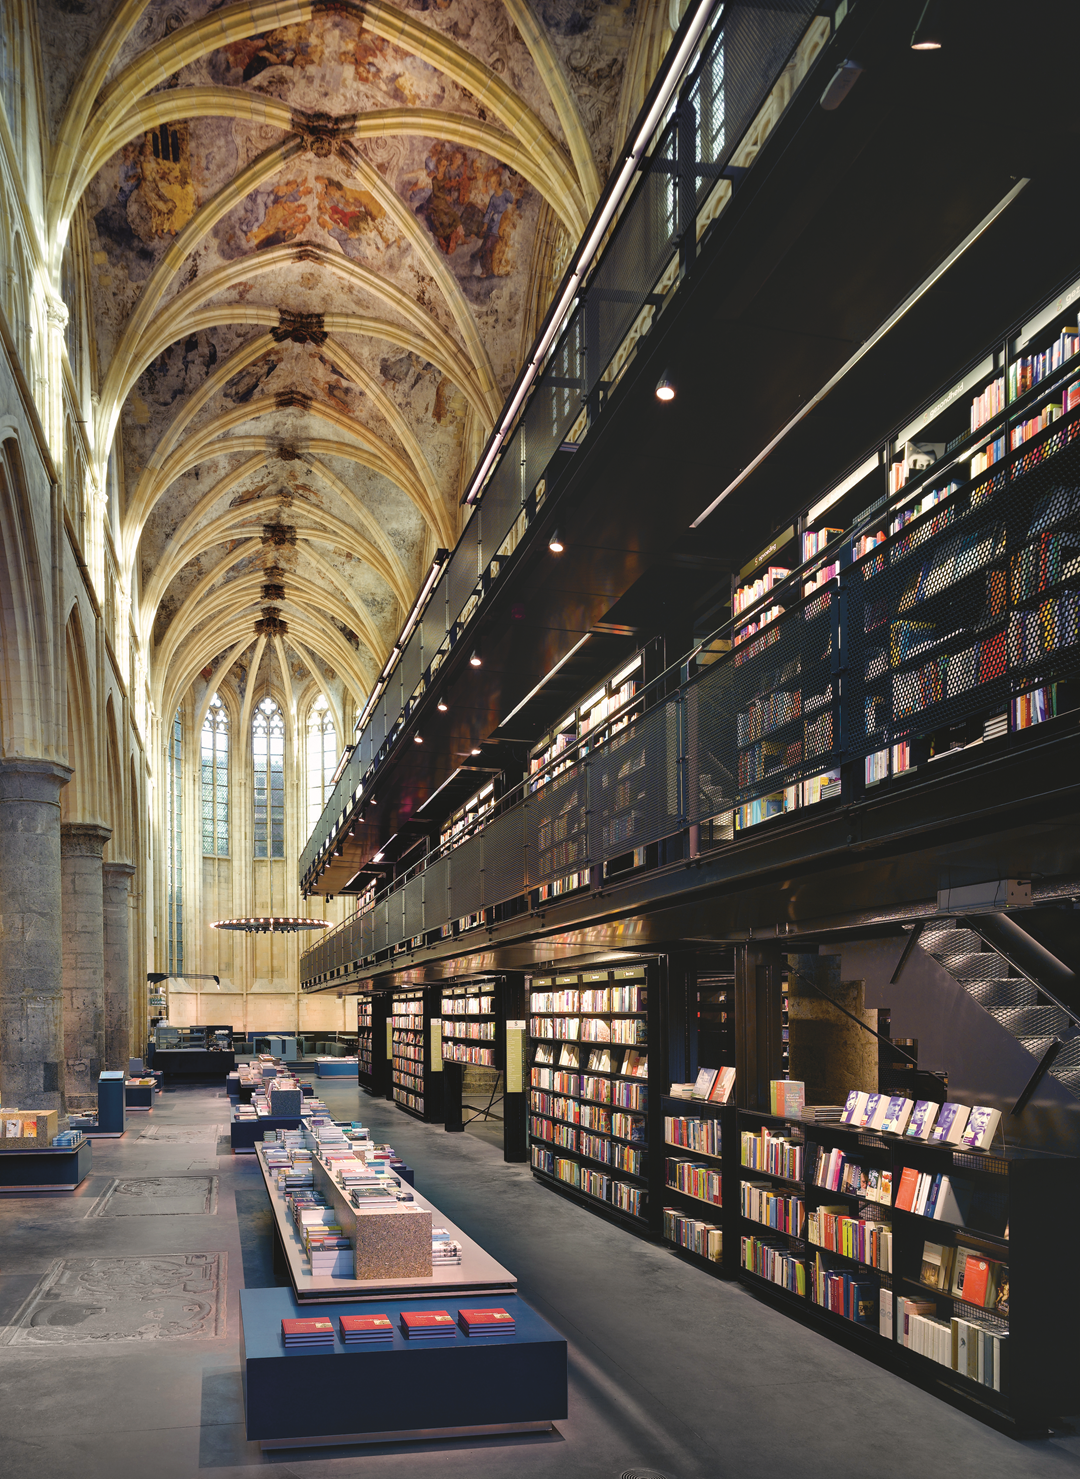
[665, 387]
[442, 706]
[475, 660]
[555, 543]
[927, 35]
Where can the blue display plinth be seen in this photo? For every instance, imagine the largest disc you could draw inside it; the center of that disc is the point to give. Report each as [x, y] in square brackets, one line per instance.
[111, 1104]
[139, 1096]
[245, 1134]
[335, 1068]
[403, 1390]
[46, 1169]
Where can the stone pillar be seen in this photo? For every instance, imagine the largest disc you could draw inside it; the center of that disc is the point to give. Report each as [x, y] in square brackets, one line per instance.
[115, 884]
[828, 1051]
[31, 973]
[84, 960]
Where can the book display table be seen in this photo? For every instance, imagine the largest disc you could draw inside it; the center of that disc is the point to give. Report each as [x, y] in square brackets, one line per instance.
[477, 1274]
[401, 1390]
[48, 1168]
[175, 1062]
[246, 1134]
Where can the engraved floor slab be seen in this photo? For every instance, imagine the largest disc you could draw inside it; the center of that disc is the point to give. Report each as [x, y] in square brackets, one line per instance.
[184, 1134]
[90, 1300]
[158, 1196]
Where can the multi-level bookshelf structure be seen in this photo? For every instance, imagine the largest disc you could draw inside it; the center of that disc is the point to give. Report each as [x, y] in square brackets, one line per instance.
[364, 1043]
[594, 1109]
[926, 602]
[470, 1025]
[837, 1254]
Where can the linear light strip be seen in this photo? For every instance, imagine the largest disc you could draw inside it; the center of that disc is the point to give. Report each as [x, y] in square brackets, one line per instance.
[545, 679]
[595, 236]
[875, 339]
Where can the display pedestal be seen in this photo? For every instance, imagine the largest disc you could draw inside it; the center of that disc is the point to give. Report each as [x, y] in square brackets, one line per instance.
[139, 1096]
[336, 1068]
[401, 1391]
[50, 1168]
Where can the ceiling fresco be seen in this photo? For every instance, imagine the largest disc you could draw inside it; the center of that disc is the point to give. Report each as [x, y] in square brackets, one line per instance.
[312, 234]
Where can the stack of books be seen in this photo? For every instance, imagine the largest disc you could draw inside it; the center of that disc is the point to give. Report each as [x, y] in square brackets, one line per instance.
[486, 1322]
[444, 1250]
[822, 1114]
[308, 1335]
[428, 1325]
[365, 1329]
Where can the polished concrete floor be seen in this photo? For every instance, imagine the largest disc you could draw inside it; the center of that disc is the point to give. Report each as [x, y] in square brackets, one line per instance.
[119, 1349]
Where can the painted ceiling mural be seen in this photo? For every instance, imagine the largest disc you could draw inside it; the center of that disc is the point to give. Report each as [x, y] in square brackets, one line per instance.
[313, 232]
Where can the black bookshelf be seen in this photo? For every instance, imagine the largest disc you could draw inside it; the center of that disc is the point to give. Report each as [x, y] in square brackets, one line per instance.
[719, 1132]
[365, 1027]
[594, 1132]
[416, 1062]
[1023, 1204]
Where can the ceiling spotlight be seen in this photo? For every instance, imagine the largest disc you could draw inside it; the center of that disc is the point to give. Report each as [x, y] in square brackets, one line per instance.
[475, 750]
[840, 84]
[555, 543]
[927, 35]
[475, 660]
[418, 739]
[442, 706]
[665, 387]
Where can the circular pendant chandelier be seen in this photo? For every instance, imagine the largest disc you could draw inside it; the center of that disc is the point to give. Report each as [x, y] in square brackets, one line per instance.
[270, 924]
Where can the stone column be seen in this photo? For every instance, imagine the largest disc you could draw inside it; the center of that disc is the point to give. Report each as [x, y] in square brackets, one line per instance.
[84, 960]
[31, 973]
[115, 884]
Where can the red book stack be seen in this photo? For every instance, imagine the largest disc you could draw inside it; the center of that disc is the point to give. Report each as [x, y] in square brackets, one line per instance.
[317, 1334]
[486, 1322]
[365, 1329]
[428, 1325]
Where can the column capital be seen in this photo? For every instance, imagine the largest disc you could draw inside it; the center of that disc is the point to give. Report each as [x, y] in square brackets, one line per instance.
[83, 839]
[119, 870]
[24, 779]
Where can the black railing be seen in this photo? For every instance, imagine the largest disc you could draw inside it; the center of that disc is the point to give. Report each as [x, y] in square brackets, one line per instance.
[736, 87]
[963, 620]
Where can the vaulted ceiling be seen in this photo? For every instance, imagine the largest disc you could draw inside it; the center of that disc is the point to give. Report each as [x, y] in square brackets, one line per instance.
[317, 239]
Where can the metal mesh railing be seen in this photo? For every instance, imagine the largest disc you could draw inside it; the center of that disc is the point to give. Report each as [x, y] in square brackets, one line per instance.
[965, 617]
[735, 89]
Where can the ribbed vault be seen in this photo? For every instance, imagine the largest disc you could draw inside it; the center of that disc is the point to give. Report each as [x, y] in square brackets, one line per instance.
[314, 232]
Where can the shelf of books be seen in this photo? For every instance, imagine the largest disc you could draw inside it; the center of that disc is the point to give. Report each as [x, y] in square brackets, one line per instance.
[950, 559]
[557, 783]
[700, 1136]
[907, 1231]
[593, 1112]
[364, 1030]
[470, 1025]
[417, 1083]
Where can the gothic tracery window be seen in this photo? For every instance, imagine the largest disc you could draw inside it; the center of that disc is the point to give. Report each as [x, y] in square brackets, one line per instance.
[268, 757]
[322, 757]
[215, 780]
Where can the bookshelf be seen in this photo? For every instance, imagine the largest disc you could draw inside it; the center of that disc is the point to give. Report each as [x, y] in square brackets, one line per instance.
[470, 1025]
[557, 784]
[700, 1160]
[593, 1108]
[848, 1267]
[416, 1063]
[949, 565]
[365, 1068]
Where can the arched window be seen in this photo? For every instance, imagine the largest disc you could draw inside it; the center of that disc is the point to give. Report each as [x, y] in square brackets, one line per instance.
[268, 755]
[175, 819]
[215, 780]
[322, 757]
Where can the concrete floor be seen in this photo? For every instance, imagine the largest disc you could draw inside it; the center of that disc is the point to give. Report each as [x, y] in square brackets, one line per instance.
[671, 1371]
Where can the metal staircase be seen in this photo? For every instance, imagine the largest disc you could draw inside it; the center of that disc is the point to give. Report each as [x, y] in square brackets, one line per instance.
[1022, 1007]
